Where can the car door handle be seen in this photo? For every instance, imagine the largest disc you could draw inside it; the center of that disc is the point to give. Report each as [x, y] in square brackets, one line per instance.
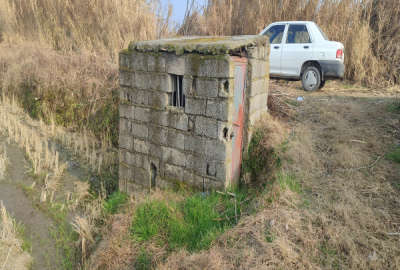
[276, 47]
[306, 47]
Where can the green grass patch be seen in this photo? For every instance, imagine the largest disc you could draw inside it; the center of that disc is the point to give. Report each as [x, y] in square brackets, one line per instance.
[289, 181]
[394, 155]
[394, 107]
[192, 223]
[114, 202]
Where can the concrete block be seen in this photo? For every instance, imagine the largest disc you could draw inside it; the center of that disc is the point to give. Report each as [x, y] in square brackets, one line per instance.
[194, 144]
[258, 87]
[173, 173]
[176, 64]
[176, 139]
[156, 63]
[125, 78]
[141, 146]
[141, 80]
[195, 106]
[206, 88]
[140, 176]
[224, 131]
[159, 118]
[158, 100]
[173, 156]
[142, 114]
[178, 120]
[139, 61]
[125, 172]
[215, 150]
[155, 151]
[192, 179]
[208, 66]
[158, 135]
[124, 126]
[140, 161]
[218, 109]
[197, 164]
[259, 68]
[259, 102]
[126, 142]
[206, 127]
[126, 111]
[188, 84]
[140, 97]
[139, 130]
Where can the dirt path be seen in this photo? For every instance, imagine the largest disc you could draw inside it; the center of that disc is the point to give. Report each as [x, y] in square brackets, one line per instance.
[37, 225]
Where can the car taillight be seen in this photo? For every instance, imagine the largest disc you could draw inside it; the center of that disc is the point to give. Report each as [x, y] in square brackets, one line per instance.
[339, 53]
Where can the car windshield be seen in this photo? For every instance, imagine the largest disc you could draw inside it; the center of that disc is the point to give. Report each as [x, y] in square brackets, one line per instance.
[322, 33]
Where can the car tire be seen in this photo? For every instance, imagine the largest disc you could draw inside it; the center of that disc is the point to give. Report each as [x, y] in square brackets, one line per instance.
[322, 84]
[311, 78]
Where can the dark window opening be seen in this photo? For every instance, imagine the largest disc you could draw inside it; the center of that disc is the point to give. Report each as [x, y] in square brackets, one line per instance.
[178, 97]
[153, 176]
[225, 133]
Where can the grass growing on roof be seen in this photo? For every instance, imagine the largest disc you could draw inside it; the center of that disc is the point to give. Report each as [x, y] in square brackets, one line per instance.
[394, 155]
[192, 223]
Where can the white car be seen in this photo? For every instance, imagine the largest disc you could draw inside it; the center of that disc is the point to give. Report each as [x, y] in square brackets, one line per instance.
[301, 51]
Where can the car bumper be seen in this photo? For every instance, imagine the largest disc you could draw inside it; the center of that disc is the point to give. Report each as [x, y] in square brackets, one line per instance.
[332, 69]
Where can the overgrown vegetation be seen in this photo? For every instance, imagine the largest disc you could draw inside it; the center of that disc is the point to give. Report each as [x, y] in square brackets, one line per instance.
[114, 202]
[192, 223]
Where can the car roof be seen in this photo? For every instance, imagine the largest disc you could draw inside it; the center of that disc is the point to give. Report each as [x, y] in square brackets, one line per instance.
[293, 22]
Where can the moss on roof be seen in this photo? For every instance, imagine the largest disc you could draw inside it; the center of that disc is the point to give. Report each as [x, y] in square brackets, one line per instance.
[202, 45]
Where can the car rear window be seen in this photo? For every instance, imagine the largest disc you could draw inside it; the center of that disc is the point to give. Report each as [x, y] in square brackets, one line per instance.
[322, 33]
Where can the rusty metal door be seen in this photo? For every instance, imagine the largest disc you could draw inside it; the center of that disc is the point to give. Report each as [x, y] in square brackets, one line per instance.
[238, 117]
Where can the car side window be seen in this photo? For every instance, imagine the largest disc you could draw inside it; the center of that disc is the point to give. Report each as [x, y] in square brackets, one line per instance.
[298, 33]
[275, 34]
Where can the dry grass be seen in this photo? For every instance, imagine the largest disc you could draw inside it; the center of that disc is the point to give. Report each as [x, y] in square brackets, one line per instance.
[101, 25]
[3, 163]
[368, 29]
[12, 257]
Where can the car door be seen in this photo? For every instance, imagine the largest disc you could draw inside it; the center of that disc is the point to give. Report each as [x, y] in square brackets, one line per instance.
[275, 34]
[296, 49]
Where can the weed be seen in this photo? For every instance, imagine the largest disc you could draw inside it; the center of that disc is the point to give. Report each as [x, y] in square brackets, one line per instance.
[192, 223]
[143, 261]
[288, 181]
[394, 155]
[395, 106]
[114, 202]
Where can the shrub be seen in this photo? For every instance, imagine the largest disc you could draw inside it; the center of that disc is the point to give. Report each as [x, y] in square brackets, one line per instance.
[114, 202]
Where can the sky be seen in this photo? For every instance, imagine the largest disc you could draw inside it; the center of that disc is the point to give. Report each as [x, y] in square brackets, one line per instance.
[179, 8]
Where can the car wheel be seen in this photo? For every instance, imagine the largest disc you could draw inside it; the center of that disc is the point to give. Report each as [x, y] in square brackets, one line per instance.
[311, 78]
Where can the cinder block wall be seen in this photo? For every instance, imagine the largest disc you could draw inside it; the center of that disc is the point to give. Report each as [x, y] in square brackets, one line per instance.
[160, 144]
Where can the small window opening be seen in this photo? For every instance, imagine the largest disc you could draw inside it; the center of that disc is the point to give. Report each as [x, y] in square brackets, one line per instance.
[178, 97]
[226, 86]
[153, 176]
[225, 133]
